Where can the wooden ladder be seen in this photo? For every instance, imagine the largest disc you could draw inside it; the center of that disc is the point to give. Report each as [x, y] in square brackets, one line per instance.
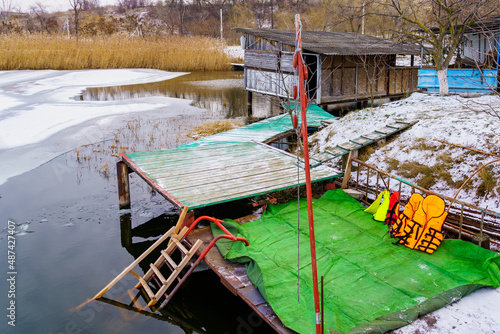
[164, 259]
[176, 269]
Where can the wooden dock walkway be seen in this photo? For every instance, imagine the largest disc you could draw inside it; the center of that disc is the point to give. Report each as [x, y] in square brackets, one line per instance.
[224, 167]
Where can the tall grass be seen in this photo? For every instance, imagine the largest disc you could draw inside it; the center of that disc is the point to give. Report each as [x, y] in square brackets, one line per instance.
[170, 53]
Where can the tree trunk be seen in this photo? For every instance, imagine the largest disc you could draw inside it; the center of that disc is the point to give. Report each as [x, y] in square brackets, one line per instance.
[443, 82]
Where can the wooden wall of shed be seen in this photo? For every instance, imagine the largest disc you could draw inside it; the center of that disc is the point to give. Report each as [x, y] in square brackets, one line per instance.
[403, 80]
[258, 43]
[353, 77]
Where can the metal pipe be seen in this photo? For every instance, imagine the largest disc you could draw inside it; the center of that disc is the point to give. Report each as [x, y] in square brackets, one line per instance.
[322, 307]
[367, 184]
[481, 230]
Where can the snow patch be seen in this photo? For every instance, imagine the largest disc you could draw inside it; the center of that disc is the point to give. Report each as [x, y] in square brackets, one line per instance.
[40, 119]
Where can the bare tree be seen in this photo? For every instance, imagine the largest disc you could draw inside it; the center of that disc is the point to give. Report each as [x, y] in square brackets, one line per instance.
[7, 6]
[77, 7]
[40, 14]
[439, 26]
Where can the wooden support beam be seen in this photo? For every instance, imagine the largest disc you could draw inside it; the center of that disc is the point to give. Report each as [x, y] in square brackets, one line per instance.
[347, 170]
[249, 103]
[123, 185]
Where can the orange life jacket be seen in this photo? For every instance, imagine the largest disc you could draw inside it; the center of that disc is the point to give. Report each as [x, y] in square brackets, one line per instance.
[410, 208]
[433, 207]
[419, 227]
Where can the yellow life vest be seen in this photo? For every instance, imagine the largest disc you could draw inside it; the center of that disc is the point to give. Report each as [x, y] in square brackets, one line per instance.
[380, 206]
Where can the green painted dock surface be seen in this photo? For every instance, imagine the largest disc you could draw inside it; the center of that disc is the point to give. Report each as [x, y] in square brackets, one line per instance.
[236, 164]
[228, 166]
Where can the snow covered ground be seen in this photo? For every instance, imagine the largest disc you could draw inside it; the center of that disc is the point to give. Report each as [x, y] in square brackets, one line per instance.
[235, 51]
[40, 117]
[450, 119]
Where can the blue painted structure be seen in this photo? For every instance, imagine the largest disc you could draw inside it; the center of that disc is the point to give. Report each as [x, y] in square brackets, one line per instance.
[460, 80]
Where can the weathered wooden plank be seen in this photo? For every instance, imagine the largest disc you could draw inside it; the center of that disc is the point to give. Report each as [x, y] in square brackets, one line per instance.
[227, 176]
[373, 135]
[235, 156]
[349, 146]
[337, 151]
[361, 140]
[211, 166]
[322, 156]
[387, 130]
[200, 196]
[262, 59]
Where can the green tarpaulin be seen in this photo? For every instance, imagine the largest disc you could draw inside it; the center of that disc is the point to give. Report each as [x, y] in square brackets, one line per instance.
[370, 285]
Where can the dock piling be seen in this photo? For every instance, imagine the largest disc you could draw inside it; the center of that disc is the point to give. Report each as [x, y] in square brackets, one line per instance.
[123, 185]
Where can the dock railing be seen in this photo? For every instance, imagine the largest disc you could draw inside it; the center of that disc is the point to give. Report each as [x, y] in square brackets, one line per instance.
[466, 220]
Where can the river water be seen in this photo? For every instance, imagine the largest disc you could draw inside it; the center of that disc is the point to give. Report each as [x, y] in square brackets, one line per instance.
[71, 239]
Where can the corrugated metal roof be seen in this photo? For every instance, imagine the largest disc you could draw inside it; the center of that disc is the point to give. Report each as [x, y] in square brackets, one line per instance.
[336, 43]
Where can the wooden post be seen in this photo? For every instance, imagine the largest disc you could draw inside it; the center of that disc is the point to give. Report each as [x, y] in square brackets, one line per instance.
[126, 230]
[249, 103]
[123, 185]
[188, 220]
[481, 240]
[347, 169]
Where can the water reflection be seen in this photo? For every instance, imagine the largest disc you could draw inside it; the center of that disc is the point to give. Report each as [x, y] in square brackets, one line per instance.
[221, 93]
[79, 242]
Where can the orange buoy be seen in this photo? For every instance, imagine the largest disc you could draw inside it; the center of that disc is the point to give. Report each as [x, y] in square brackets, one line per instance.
[295, 92]
[295, 60]
[306, 73]
[295, 121]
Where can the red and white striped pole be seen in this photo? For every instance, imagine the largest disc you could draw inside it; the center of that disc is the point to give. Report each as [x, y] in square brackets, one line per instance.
[303, 108]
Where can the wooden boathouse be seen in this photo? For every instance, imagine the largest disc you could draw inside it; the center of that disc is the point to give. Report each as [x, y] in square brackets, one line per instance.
[343, 67]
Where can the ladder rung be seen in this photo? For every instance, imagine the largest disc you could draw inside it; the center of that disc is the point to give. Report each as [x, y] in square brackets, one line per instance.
[181, 247]
[169, 259]
[146, 287]
[158, 273]
[135, 300]
[176, 272]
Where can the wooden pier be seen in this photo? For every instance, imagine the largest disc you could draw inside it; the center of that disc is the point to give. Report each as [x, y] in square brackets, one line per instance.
[224, 167]
[233, 165]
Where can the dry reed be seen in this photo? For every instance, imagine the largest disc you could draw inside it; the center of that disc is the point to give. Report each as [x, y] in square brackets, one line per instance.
[212, 128]
[169, 53]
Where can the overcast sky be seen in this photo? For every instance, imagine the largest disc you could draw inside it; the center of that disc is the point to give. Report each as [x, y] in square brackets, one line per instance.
[50, 5]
